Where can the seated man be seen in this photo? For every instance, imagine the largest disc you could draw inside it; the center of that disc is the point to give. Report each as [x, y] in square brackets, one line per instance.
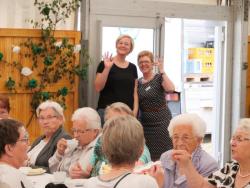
[86, 127]
[187, 132]
[13, 153]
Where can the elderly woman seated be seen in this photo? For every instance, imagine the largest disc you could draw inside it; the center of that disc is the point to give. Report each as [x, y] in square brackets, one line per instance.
[97, 159]
[76, 153]
[123, 143]
[234, 174]
[187, 132]
[14, 143]
[50, 118]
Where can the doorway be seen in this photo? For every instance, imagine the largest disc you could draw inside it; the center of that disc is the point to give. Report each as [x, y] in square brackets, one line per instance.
[193, 54]
[151, 15]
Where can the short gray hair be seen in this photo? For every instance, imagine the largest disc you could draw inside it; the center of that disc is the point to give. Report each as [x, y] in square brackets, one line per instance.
[198, 125]
[58, 109]
[88, 114]
[244, 124]
[119, 107]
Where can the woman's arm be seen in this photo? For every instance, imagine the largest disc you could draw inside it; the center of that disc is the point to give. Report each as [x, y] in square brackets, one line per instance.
[136, 99]
[167, 84]
[194, 179]
[101, 78]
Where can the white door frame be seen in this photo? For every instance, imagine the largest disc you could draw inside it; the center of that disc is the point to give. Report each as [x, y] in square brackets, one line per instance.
[130, 12]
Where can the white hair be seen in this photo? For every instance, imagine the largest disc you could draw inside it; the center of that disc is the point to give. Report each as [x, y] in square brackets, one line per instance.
[244, 124]
[58, 109]
[88, 114]
[190, 119]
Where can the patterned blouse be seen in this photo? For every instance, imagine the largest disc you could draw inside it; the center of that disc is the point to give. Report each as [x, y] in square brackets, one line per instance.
[225, 178]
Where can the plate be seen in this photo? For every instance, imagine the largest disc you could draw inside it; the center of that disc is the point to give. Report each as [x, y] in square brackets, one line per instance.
[32, 171]
[147, 166]
[36, 171]
[74, 183]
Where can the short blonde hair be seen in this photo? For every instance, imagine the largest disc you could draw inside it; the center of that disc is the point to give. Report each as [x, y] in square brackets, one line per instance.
[118, 107]
[57, 108]
[191, 119]
[145, 53]
[126, 36]
[122, 140]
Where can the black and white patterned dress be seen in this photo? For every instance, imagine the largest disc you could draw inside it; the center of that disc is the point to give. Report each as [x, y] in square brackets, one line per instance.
[225, 178]
[154, 116]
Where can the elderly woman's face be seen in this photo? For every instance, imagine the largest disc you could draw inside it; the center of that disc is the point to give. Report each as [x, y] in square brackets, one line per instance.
[49, 121]
[184, 139]
[240, 144]
[82, 133]
[145, 64]
[20, 148]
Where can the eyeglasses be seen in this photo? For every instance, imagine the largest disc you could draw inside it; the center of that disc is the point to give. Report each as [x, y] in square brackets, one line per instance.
[183, 138]
[46, 118]
[78, 131]
[25, 139]
[239, 139]
[144, 62]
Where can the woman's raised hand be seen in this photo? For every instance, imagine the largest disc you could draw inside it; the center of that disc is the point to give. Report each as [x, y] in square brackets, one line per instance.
[159, 63]
[61, 146]
[108, 60]
[182, 158]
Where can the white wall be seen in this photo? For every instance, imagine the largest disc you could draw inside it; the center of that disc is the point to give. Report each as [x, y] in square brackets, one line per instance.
[204, 2]
[14, 13]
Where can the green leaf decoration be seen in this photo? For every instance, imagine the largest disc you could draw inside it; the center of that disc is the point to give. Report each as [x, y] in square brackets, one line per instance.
[1, 56]
[45, 11]
[45, 95]
[36, 49]
[65, 41]
[32, 84]
[63, 91]
[48, 61]
[10, 84]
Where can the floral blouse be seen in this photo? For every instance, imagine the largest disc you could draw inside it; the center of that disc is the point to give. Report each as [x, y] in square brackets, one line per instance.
[225, 177]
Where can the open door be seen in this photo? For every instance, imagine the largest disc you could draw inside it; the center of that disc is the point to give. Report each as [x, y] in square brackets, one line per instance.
[193, 59]
[171, 30]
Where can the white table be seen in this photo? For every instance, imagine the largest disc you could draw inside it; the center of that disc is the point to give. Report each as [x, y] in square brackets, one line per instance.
[40, 181]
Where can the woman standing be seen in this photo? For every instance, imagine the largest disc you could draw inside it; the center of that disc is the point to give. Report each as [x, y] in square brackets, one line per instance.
[154, 112]
[116, 77]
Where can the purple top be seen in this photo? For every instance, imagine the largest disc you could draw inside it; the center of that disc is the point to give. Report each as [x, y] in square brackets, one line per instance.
[202, 161]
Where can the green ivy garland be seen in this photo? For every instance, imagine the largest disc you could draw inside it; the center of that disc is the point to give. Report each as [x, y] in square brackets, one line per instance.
[55, 59]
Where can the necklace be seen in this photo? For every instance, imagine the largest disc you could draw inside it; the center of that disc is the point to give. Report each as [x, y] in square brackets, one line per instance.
[243, 176]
